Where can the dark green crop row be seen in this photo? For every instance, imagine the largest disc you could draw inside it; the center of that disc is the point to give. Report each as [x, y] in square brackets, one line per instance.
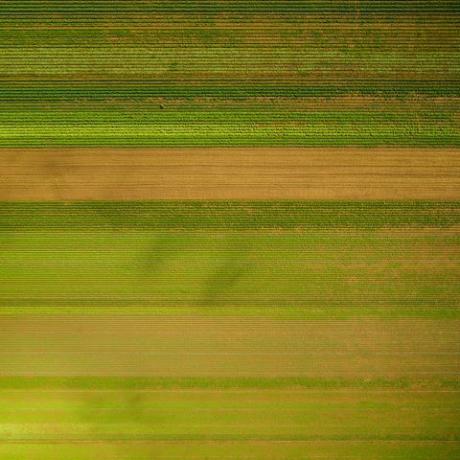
[233, 215]
[119, 7]
[56, 91]
[157, 115]
[145, 383]
[439, 140]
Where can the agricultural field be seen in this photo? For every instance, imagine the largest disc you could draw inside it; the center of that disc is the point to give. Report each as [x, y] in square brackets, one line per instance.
[229, 230]
[110, 174]
[237, 73]
[191, 329]
[341, 259]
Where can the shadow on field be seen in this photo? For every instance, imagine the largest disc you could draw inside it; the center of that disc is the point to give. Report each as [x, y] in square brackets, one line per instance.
[164, 247]
[219, 264]
[232, 267]
[125, 407]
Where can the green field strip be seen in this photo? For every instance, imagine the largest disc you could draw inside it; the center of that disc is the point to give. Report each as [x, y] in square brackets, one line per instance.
[234, 141]
[153, 54]
[52, 91]
[159, 120]
[211, 415]
[235, 127]
[336, 274]
[51, 307]
[213, 6]
[62, 118]
[99, 383]
[227, 215]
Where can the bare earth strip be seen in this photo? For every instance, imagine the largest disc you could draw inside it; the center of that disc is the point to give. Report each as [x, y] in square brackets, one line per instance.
[200, 346]
[229, 173]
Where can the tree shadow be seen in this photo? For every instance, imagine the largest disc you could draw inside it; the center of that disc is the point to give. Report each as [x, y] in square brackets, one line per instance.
[163, 248]
[234, 265]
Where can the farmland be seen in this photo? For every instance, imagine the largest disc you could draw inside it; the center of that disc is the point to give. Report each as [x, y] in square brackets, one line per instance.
[202, 125]
[211, 329]
[337, 266]
[213, 73]
[110, 174]
[156, 421]
[229, 230]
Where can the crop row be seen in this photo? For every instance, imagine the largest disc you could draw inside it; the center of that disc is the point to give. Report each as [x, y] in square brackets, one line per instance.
[323, 7]
[164, 116]
[228, 215]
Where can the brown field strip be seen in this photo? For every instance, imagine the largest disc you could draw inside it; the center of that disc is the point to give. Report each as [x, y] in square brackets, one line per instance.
[180, 346]
[229, 173]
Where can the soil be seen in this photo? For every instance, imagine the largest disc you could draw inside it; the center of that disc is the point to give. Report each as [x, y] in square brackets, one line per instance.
[229, 173]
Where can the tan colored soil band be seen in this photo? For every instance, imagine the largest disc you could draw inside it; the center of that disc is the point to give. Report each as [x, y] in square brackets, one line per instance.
[229, 173]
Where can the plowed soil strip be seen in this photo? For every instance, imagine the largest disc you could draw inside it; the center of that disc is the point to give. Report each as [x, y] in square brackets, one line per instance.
[229, 173]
